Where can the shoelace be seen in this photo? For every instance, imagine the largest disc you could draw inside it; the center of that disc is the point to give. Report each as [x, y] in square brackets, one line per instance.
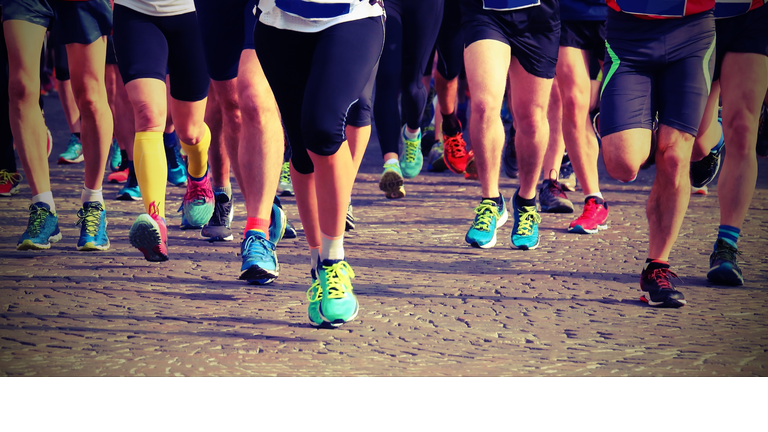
[249, 247]
[90, 218]
[338, 275]
[455, 148]
[663, 277]
[7, 177]
[527, 217]
[198, 193]
[556, 190]
[285, 173]
[37, 217]
[412, 149]
[315, 293]
[726, 252]
[485, 212]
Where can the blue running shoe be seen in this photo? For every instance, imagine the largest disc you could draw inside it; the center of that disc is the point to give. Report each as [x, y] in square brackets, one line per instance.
[93, 227]
[42, 228]
[129, 192]
[115, 157]
[488, 218]
[315, 295]
[525, 233]
[74, 152]
[412, 159]
[260, 265]
[277, 223]
[177, 171]
[290, 231]
[723, 268]
[338, 304]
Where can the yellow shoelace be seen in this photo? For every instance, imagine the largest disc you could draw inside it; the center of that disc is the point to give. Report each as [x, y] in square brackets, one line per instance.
[339, 276]
[285, 173]
[315, 293]
[527, 217]
[91, 220]
[485, 211]
[412, 149]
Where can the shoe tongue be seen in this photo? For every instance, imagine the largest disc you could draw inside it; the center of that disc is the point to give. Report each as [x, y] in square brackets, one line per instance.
[42, 205]
[329, 262]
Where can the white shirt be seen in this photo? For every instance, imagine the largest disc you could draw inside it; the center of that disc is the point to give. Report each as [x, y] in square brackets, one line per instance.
[273, 16]
[159, 8]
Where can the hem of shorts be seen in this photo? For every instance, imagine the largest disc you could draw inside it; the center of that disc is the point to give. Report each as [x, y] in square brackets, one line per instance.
[680, 127]
[90, 37]
[144, 76]
[42, 22]
[222, 78]
[360, 124]
[622, 128]
[194, 98]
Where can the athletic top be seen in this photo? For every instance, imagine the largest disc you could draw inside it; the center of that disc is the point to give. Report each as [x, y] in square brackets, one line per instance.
[583, 10]
[311, 16]
[657, 9]
[159, 8]
[732, 8]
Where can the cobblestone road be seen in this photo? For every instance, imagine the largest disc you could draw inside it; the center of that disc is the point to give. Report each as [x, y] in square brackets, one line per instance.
[430, 305]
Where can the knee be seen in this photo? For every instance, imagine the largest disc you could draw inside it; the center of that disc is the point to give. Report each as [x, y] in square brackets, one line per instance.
[575, 109]
[189, 133]
[230, 109]
[89, 104]
[485, 107]
[673, 159]
[741, 138]
[256, 109]
[618, 167]
[22, 91]
[531, 121]
[149, 117]
[322, 135]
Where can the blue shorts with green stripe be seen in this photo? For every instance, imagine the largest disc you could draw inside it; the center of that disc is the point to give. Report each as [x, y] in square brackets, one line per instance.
[652, 66]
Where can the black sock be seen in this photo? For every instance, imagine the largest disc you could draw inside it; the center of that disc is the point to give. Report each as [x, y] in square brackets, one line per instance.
[77, 134]
[598, 200]
[132, 180]
[451, 124]
[123, 160]
[653, 264]
[498, 200]
[522, 202]
[170, 156]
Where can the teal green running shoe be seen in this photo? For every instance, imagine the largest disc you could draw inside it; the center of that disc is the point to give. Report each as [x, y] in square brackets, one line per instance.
[130, 191]
[338, 304]
[115, 157]
[92, 219]
[525, 233]
[285, 187]
[74, 152]
[177, 171]
[198, 203]
[42, 228]
[488, 218]
[391, 182]
[315, 295]
[412, 159]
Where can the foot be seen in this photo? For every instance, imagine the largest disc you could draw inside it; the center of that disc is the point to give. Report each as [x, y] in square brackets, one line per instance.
[285, 187]
[198, 203]
[92, 219]
[723, 268]
[705, 170]
[10, 183]
[260, 264]
[42, 228]
[470, 172]
[277, 223]
[455, 155]
[129, 192]
[488, 219]
[314, 296]
[149, 234]
[525, 232]
[218, 227]
[350, 224]
[566, 177]
[593, 219]
[659, 291]
[435, 161]
[177, 171]
[118, 176]
[74, 152]
[392, 181]
[411, 160]
[338, 304]
[115, 158]
[553, 199]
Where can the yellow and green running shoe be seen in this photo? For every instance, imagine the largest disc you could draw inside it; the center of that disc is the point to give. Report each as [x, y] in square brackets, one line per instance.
[412, 159]
[488, 218]
[338, 304]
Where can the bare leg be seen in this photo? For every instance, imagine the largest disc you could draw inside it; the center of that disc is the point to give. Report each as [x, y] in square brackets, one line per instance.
[553, 157]
[71, 113]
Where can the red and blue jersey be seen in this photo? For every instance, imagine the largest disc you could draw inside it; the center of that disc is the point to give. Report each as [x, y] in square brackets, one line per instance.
[661, 8]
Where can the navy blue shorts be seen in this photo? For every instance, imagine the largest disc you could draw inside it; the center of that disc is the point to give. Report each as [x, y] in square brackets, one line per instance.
[651, 66]
[80, 22]
[586, 36]
[532, 33]
[223, 39]
[746, 33]
[149, 46]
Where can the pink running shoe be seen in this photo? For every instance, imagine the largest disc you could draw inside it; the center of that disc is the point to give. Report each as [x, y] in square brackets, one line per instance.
[593, 219]
[198, 204]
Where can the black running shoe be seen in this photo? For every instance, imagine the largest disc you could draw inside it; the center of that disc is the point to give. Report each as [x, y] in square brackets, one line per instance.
[217, 228]
[723, 269]
[553, 199]
[350, 219]
[509, 156]
[290, 231]
[705, 170]
[762, 133]
[659, 289]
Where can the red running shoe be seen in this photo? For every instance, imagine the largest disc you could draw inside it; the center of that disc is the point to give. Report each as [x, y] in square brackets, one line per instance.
[118, 176]
[593, 219]
[659, 291]
[455, 153]
[470, 172]
[149, 235]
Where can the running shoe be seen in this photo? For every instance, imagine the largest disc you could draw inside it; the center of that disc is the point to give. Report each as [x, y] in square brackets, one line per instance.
[149, 234]
[723, 269]
[290, 231]
[392, 181]
[10, 183]
[130, 192]
[699, 191]
[470, 172]
[509, 156]
[435, 161]
[428, 121]
[659, 291]
[506, 113]
[115, 158]
[553, 199]
[567, 177]
[198, 203]
[260, 264]
[411, 160]
[118, 176]
[74, 152]
[525, 232]
[42, 228]
[315, 295]
[177, 171]
[338, 304]
[350, 224]
[488, 219]
[762, 133]
[285, 187]
[92, 219]
[455, 154]
[217, 228]
[705, 170]
[593, 219]
[277, 223]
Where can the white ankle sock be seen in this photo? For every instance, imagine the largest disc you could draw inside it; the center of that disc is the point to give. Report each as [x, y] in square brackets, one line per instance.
[333, 248]
[411, 135]
[596, 195]
[46, 197]
[90, 195]
[392, 161]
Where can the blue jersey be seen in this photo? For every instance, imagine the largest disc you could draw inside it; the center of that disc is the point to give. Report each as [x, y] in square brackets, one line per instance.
[583, 10]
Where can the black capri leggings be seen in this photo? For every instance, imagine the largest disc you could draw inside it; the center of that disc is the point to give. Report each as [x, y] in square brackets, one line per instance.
[412, 28]
[450, 44]
[148, 46]
[322, 82]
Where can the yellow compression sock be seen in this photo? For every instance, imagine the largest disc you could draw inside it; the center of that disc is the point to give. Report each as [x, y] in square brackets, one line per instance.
[151, 168]
[198, 154]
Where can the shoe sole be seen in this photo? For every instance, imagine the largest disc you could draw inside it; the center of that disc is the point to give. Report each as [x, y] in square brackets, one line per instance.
[256, 275]
[209, 209]
[214, 238]
[127, 197]
[63, 161]
[90, 246]
[725, 276]
[390, 183]
[578, 229]
[145, 236]
[29, 245]
[668, 303]
[113, 181]
[12, 192]
[339, 322]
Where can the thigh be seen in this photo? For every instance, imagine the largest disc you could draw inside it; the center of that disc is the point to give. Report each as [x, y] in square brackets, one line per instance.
[186, 61]
[23, 40]
[140, 46]
[487, 64]
[222, 38]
